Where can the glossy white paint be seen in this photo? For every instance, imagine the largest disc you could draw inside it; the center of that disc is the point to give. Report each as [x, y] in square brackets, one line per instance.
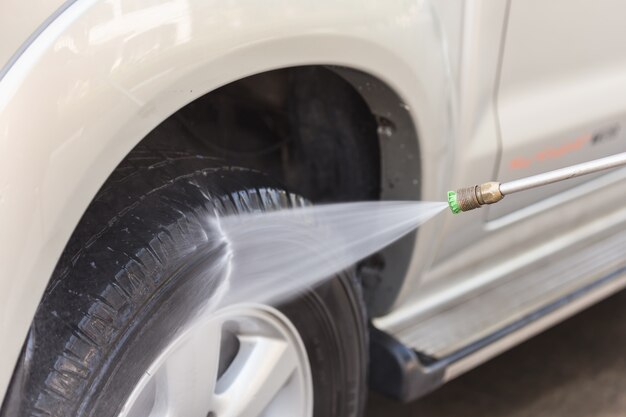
[556, 76]
[473, 153]
[104, 73]
[563, 80]
[20, 20]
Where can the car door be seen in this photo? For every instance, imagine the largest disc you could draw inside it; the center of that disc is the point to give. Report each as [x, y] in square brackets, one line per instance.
[562, 91]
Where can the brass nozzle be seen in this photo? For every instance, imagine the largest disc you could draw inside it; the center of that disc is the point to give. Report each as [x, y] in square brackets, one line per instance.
[469, 198]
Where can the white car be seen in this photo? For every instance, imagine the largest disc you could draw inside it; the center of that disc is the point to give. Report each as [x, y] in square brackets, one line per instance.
[124, 123]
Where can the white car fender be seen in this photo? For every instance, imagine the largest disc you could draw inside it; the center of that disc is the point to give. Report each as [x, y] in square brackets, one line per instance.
[103, 74]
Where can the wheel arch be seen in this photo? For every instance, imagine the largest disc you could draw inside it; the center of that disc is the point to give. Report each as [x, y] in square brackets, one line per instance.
[96, 87]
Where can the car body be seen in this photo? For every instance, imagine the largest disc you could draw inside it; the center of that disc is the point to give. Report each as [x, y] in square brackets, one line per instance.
[463, 92]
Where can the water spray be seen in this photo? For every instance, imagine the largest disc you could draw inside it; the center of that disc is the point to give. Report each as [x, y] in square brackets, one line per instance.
[469, 198]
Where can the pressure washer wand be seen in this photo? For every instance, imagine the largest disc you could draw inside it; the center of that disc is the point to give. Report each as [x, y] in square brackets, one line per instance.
[469, 198]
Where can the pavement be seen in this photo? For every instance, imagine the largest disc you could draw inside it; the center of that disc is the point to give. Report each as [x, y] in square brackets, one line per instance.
[576, 369]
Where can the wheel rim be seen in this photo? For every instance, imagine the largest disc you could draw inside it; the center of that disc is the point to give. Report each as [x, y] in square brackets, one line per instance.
[243, 361]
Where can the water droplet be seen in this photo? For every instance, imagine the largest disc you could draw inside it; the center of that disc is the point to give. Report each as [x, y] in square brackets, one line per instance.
[385, 127]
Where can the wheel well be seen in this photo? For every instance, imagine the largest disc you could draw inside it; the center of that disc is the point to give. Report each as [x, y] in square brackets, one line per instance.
[323, 132]
[306, 126]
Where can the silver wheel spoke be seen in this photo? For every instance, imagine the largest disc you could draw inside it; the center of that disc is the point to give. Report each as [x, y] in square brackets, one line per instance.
[145, 403]
[186, 382]
[260, 370]
[266, 370]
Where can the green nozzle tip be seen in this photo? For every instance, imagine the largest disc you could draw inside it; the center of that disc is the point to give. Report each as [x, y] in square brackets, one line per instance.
[453, 202]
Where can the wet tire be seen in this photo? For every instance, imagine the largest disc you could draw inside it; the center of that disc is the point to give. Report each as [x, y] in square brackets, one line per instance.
[122, 289]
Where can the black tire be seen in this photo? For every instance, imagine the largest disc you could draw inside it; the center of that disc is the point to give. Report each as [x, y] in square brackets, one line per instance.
[121, 290]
